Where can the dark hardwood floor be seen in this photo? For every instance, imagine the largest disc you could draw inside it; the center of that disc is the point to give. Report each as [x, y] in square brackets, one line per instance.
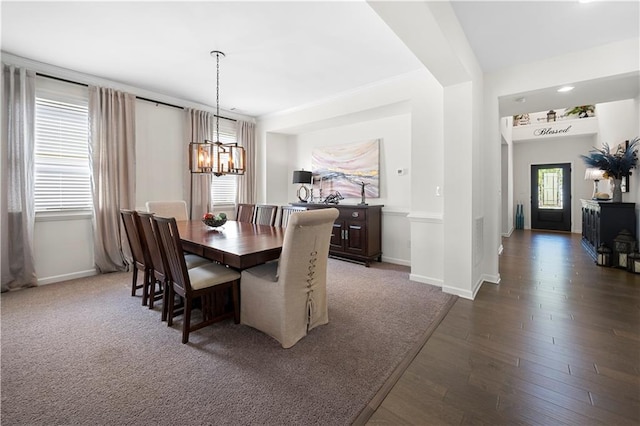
[556, 342]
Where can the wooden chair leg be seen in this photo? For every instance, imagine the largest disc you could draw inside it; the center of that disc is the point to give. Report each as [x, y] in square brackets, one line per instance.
[235, 294]
[186, 320]
[145, 288]
[152, 292]
[165, 301]
[134, 282]
[171, 296]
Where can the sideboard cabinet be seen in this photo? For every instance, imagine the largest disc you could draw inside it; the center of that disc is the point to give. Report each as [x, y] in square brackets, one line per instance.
[602, 221]
[357, 232]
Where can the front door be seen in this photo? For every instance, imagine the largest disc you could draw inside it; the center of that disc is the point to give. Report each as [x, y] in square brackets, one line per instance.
[551, 197]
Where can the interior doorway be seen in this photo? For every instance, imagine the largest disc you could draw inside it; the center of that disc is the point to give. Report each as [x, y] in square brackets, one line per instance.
[551, 197]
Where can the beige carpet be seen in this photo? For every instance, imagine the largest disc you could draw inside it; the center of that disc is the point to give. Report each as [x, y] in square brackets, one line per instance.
[86, 352]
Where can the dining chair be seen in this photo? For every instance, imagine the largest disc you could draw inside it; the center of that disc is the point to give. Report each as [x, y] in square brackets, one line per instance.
[141, 259]
[265, 215]
[207, 283]
[285, 213]
[287, 298]
[244, 212]
[160, 269]
[177, 209]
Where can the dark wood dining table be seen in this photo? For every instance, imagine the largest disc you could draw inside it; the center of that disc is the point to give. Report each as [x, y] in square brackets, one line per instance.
[239, 245]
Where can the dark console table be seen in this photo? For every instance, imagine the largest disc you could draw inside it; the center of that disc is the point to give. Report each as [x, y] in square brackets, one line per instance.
[357, 232]
[602, 221]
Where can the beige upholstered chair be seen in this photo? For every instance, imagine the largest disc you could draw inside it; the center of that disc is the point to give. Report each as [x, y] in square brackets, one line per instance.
[285, 212]
[244, 212]
[265, 215]
[177, 209]
[209, 283]
[285, 299]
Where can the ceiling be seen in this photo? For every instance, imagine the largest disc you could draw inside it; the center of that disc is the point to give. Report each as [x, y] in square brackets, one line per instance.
[282, 55]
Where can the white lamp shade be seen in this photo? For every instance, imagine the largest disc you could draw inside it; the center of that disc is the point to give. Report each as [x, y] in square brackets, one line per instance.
[593, 174]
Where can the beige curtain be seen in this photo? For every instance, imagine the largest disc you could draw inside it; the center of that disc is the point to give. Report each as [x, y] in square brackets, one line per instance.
[246, 133]
[199, 127]
[17, 215]
[112, 153]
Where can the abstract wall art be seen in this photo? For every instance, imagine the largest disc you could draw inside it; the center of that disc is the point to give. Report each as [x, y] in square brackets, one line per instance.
[344, 168]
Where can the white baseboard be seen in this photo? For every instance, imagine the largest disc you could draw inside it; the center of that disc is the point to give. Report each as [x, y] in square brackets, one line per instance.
[66, 277]
[426, 280]
[508, 233]
[457, 292]
[493, 279]
[471, 295]
[396, 261]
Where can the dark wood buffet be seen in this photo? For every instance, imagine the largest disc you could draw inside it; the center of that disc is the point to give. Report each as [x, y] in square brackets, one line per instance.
[357, 232]
[602, 221]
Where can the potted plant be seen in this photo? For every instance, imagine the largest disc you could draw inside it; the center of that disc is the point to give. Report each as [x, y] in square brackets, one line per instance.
[582, 111]
[615, 165]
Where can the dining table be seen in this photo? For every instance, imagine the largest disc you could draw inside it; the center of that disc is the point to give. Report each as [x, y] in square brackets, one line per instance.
[239, 245]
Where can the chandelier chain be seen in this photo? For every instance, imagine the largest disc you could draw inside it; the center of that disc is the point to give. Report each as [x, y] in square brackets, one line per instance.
[218, 97]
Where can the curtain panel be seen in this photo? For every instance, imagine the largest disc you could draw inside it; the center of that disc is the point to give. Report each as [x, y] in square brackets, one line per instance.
[246, 133]
[199, 127]
[112, 159]
[17, 177]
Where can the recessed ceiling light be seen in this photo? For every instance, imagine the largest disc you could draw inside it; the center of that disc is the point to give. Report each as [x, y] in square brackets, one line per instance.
[566, 89]
[521, 100]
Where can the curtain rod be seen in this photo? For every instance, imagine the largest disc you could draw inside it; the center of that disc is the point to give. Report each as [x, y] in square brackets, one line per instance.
[137, 97]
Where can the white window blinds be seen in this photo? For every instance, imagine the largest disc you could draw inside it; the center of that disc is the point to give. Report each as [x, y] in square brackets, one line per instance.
[224, 188]
[62, 173]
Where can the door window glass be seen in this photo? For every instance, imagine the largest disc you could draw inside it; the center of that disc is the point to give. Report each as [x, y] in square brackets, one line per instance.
[550, 188]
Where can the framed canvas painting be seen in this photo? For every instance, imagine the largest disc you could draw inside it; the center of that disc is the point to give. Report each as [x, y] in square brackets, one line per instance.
[346, 168]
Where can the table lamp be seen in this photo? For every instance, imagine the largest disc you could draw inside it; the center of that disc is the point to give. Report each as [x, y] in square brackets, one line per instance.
[303, 178]
[595, 175]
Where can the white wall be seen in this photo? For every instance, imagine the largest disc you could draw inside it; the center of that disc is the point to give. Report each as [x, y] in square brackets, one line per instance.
[394, 133]
[63, 245]
[404, 113]
[63, 248]
[548, 151]
[395, 143]
[161, 154]
[620, 121]
[616, 122]
[281, 160]
[432, 32]
[598, 63]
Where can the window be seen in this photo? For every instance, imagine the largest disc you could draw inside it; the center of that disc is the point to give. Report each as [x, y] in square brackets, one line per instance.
[224, 189]
[550, 188]
[61, 160]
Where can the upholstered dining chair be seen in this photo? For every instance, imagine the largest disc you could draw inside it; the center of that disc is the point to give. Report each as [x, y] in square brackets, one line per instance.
[244, 212]
[285, 212]
[140, 254]
[265, 215]
[287, 298]
[160, 269]
[176, 209]
[208, 283]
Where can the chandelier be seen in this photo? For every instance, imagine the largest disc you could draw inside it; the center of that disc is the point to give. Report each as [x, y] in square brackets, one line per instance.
[215, 157]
